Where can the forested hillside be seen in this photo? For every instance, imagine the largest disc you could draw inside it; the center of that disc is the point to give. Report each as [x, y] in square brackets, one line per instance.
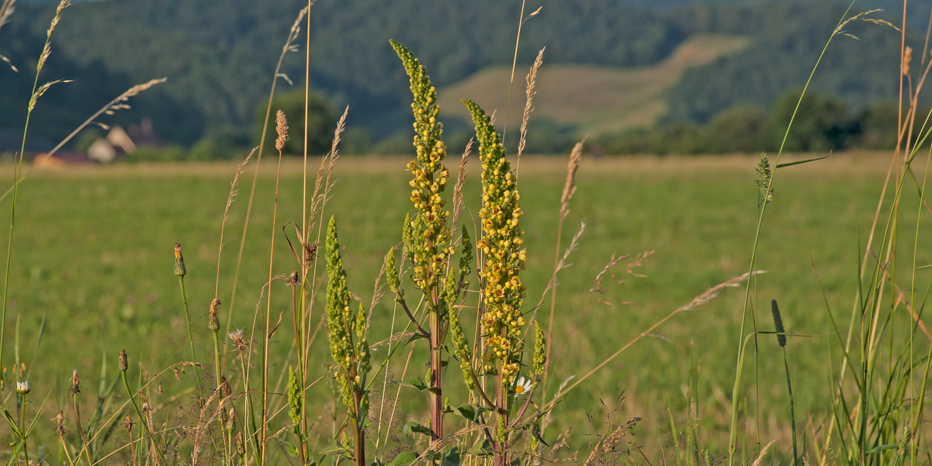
[224, 65]
[219, 69]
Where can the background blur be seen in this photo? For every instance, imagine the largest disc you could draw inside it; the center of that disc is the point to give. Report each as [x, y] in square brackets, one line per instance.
[635, 76]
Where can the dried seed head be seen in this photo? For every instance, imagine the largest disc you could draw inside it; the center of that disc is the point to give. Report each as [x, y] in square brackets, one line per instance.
[179, 261]
[907, 58]
[75, 383]
[281, 127]
[146, 407]
[60, 424]
[231, 420]
[128, 423]
[213, 320]
[239, 340]
[124, 365]
[225, 390]
[293, 279]
[240, 446]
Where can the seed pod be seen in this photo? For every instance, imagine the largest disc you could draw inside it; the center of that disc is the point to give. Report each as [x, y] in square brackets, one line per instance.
[124, 365]
[231, 420]
[240, 445]
[778, 323]
[213, 320]
[179, 261]
[75, 383]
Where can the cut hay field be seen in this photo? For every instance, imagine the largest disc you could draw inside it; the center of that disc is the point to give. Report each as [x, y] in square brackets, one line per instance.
[92, 260]
[594, 99]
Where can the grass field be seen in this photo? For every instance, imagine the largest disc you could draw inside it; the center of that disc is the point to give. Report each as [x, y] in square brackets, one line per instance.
[93, 259]
[595, 99]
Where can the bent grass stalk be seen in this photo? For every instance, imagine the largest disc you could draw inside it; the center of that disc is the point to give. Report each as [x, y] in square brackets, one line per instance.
[732, 443]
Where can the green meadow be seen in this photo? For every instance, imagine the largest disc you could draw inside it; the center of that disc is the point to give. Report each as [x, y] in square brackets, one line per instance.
[92, 269]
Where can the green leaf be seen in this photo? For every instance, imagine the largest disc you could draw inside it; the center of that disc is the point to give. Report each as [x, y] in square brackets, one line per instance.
[412, 428]
[482, 449]
[290, 449]
[335, 448]
[790, 164]
[451, 458]
[13, 427]
[881, 448]
[415, 382]
[469, 412]
[404, 459]
[417, 336]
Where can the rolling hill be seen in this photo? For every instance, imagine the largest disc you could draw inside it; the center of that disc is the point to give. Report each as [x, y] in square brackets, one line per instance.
[594, 99]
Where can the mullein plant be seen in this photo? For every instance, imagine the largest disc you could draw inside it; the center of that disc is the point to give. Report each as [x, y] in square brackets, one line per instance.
[348, 347]
[428, 239]
[501, 320]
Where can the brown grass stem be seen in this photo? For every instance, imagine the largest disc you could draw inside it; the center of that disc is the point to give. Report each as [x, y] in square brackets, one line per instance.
[280, 118]
[226, 215]
[288, 47]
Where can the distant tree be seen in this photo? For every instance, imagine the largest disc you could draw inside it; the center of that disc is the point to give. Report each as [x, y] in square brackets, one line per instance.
[223, 143]
[741, 129]
[320, 117]
[877, 126]
[821, 123]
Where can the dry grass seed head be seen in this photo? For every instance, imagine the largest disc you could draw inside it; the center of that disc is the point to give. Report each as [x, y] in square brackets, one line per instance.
[531, 81]
[281, 127]
[458, 204]
[569, 187]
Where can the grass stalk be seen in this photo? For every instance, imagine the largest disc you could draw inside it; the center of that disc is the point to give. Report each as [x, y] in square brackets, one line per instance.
[732, 443]
[180, 271]
[17, 173]
[145, 424]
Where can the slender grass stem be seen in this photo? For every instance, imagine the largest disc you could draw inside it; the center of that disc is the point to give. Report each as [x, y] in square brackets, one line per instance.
[142, 419]
[77, 420]
[789, 387]
[187, 321]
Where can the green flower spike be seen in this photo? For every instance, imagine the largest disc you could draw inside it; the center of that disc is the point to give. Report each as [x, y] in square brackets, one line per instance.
[501, 244]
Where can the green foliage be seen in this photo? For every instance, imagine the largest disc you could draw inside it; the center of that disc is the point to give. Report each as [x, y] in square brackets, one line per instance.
[227, 143]
[740, 129]
[787, 39]
[501, 244]
[819, 122]
[219, 70]
[339, 321]
[295, 400]
[320, 123]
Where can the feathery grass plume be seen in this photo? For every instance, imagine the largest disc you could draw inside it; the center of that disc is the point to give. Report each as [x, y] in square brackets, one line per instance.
[907, 59]
[778, 323]
[458, 203]
[502, 322]
[763, 179]
[281, 127]
[352, 360]
[6, 10]
[528, 105]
